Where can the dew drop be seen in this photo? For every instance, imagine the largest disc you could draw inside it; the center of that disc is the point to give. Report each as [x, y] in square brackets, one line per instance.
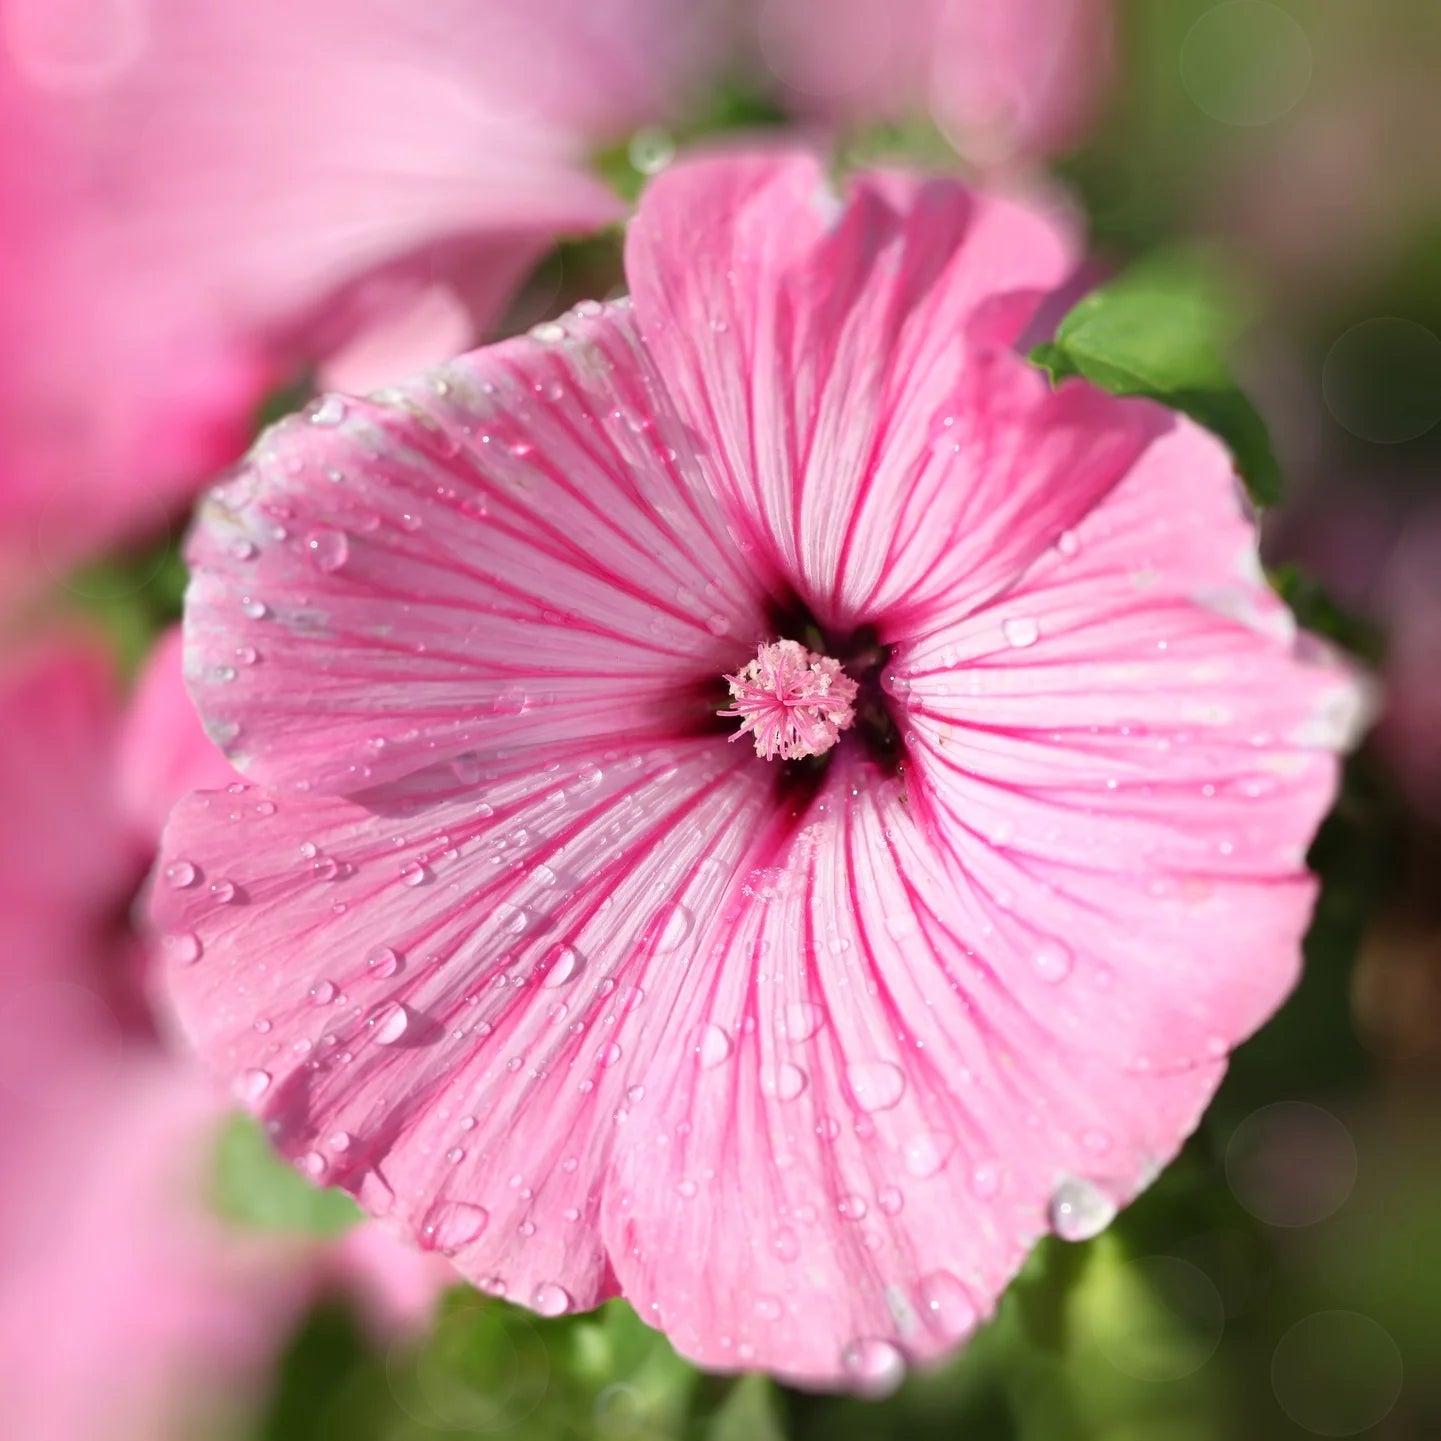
[327, 547]
[548, 1298]
[561, 966]
[852, 1207]
[802, 1020]
[222, 892]
[414, 874]
[182, 947]
[890, 1200]
[323, 992]
[252, 1085]
[1068, 542]
[392, 1024]
[786, 1244]
[180, 874]
[252, 608]
[1079, 1209]
[328, 410]
[714, 1046]
[674, 929]
[785, 1082]
[947, 1305]
[1020, 631]
[768, 1308]
[928, 1152]
[383, 962]
[877, 1085]
[449, 1225]
[1052, 961]
[876, 1367]
[985, 1180]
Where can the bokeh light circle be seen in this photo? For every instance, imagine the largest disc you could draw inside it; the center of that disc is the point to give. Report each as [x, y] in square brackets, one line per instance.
[1246, 63]
[1382, 380]
[1291, 1164]
[1337, 1373]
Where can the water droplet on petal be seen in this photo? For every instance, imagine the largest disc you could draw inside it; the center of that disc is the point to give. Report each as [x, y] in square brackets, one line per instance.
[876, 1367]
[714, 1046]
[252, 1085]
[946, 1304]
[1020, 631]
[674, 929]
[802, 1020]
[222, 892]
[328, 410]
[1052, 961]
[785, 1082]
[179, 874]
[786, 1244]
[327, 547]
[550, 1299]
[1068, 542]
[449, 1225]
[392, 1024]
[561, 966]
[890, 1200]
[928, 1152]
[382, 962]
[985, 1180]
[852, 1207]
[182, 947]
[877, 1085]
[323, 992]
[1080, 1209]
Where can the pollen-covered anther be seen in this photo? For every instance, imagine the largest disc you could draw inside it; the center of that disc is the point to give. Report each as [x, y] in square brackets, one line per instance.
[794, 702]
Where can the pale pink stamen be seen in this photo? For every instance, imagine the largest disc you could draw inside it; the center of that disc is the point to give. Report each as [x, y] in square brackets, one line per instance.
[794, 702]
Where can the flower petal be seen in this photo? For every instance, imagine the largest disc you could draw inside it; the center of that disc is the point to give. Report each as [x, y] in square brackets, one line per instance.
[447, 999]
[812, 342]
[910, 1100]
[519, 550]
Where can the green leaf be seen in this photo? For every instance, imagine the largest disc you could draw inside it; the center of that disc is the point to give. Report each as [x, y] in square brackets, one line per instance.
[750, 1411]
[1164, 330]
[253, 1187]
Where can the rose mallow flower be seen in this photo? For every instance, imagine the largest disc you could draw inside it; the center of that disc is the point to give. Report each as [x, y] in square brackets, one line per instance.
[799, 1043]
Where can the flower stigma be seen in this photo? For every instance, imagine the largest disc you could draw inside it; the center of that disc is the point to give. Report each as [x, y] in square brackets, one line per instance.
[794, 702]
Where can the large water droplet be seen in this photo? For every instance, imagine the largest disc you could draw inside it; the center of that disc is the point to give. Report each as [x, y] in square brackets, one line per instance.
[875, 1367]
[714, 1046]
[252, 1085]
[449, 1225]
[674, 928]
[328, 410]
[182, 947]
[327, 547]
[1020, 631]
[877, 1085]
[561, 965]
[1080, 1209]
[179, 874]
[383, 962]
[785, 1082]
[946, 1304]
[1052, 961]
[550, 1299]
[391, 1024]
[928, 1152]
[801, 1020]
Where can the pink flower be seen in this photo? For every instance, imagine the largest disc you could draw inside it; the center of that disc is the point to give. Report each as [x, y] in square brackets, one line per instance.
[198, 202]
[800, 1057]
[1003, 79]
[128, 1312]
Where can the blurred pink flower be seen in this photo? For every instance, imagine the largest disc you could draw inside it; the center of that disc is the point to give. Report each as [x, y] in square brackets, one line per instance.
[198, 201]
[128, 1312]
[1003, 79]
[545, 970]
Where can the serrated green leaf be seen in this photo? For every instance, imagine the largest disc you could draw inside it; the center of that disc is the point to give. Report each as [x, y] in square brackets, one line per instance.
[1164, 330]
[253, 1187]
